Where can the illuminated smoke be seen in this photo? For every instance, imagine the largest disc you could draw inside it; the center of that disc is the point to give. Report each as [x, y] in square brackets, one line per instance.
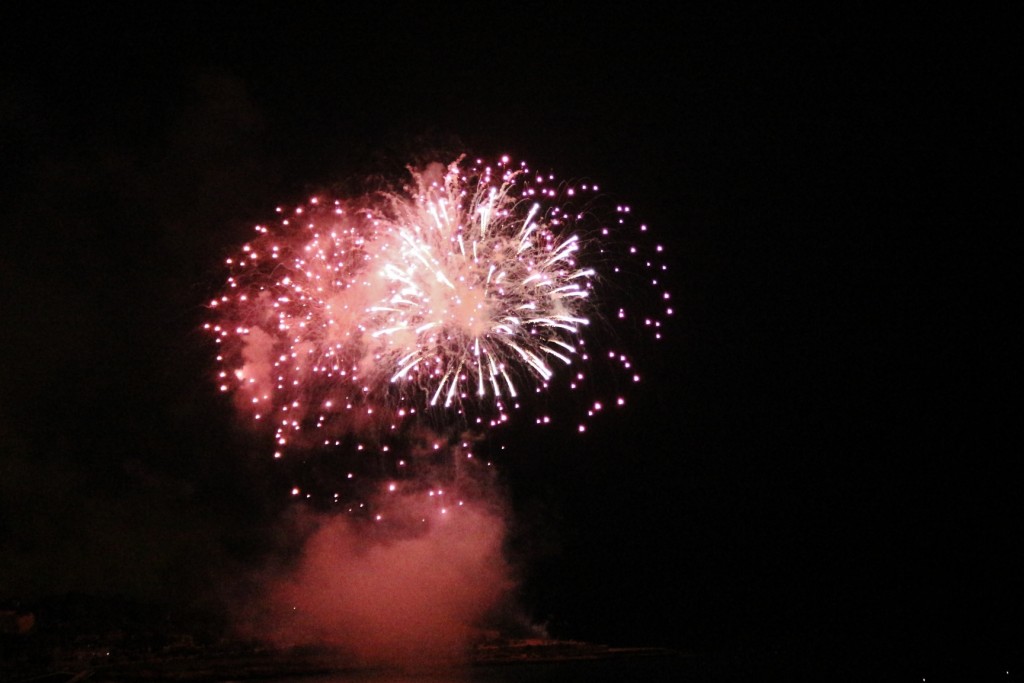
[419, 591]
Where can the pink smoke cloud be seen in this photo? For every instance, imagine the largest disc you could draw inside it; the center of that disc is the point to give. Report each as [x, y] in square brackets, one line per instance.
[416, 587]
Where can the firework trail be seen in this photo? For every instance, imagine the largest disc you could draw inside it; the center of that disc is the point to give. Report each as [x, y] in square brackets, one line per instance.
[453, 298]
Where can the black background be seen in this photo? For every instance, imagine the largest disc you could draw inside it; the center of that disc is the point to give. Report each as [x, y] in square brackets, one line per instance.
[821, 462]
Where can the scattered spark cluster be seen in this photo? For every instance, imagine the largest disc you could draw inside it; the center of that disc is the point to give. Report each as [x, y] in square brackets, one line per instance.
[452, 301]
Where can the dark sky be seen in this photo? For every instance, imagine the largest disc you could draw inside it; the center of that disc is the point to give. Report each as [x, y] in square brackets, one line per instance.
[823, 456]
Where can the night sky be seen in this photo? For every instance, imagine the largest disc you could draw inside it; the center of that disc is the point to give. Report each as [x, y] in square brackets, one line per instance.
[820, 459]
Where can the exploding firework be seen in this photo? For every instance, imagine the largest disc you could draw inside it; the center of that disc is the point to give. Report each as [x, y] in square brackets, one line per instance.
[384, 336]
[455, 297]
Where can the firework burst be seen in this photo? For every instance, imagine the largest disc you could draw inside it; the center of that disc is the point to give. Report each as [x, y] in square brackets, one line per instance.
[458, 295]
[481, 283]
